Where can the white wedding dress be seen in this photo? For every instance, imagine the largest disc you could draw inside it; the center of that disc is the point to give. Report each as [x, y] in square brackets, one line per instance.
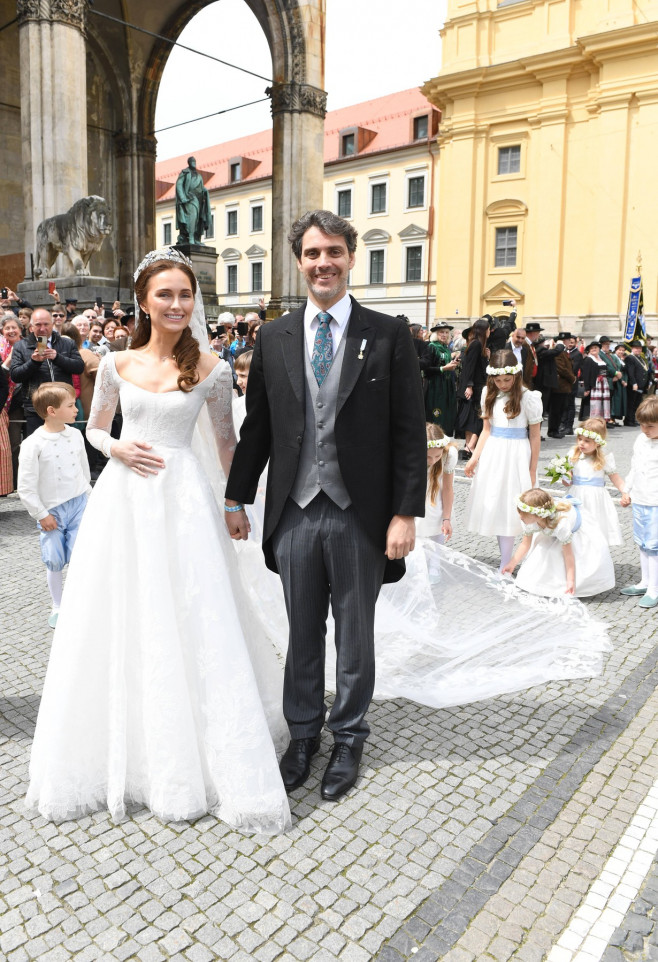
[166, 692]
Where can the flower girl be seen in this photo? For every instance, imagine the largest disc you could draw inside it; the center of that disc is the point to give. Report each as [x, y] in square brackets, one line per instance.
[591, 465]
[437, 523]
[564, 548]
[506, 454]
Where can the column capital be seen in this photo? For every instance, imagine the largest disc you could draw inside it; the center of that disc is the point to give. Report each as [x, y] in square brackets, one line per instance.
[73, 12]
[297, 98]
[136, 144]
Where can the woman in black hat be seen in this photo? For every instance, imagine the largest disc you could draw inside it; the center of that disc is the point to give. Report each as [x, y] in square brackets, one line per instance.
[441, 397]
[472, 381]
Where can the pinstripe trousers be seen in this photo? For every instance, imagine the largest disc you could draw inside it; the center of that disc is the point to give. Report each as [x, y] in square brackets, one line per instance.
[323, 554]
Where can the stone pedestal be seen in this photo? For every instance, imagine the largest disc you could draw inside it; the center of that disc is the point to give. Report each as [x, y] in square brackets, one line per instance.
[84, 288]
[204, 262]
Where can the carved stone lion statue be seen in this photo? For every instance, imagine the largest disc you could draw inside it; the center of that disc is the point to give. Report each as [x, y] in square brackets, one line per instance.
[77, 235]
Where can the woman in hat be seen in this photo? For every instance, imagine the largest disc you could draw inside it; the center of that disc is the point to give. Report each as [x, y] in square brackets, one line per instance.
[613, 373]
[596, 393]
[472, 381]
[441, 397]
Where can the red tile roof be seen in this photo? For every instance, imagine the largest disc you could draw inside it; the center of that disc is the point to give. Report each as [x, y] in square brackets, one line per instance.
[388, 117]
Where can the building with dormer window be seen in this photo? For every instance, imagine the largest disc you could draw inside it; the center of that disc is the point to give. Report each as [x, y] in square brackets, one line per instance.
[380, 173]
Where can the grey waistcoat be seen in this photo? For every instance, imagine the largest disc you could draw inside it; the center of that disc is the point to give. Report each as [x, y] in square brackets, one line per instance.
[318, 461]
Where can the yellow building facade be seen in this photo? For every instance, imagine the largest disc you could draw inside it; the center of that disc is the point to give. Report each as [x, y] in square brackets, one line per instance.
[380, 173]
[548, 147]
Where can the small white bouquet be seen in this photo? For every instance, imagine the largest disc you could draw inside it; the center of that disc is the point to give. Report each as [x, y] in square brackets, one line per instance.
[560, 469]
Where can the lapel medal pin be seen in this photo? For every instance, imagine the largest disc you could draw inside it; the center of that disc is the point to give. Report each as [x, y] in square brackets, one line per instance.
[363, 344]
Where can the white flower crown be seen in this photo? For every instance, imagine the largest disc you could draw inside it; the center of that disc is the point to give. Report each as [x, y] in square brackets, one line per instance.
[439, 443]
[499, 371]
[592, 435]
[529, 509]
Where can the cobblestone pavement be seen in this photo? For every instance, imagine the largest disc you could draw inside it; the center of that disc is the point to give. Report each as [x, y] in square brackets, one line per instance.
[522, 827]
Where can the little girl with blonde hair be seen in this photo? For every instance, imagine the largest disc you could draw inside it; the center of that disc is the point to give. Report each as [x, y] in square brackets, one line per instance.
[563, 549]
[592, 464]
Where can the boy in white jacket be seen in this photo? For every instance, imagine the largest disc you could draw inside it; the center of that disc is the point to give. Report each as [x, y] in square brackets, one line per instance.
[53, 481]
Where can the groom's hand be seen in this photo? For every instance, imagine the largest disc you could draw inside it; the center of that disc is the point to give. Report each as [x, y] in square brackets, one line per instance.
[237, 522]
[400, 537]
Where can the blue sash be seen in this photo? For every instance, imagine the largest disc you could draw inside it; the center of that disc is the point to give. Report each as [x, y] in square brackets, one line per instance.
[575, 504]
[589, 482]
[515, 433]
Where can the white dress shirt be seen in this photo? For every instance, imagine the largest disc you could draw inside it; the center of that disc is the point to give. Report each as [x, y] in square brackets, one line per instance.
[642, 479]
[52, 469]
[340, 315]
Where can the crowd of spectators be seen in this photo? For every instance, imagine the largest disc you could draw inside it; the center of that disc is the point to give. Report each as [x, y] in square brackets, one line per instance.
[62, 344]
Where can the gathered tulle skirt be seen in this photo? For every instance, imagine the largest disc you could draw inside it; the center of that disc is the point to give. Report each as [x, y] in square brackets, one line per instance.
[164, 692]
[454, 631]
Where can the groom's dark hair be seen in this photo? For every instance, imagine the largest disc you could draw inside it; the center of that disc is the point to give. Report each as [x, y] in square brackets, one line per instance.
[326, 221]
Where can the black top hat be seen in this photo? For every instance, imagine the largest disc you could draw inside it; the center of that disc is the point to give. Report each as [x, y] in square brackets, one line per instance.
[531, 328]
[442, 327]
[563, 336]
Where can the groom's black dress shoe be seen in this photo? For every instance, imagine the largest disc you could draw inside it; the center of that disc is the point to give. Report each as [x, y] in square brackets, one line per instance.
[295, 765]
[342, 771]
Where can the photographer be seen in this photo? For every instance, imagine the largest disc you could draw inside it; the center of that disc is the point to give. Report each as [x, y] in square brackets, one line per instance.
[43, 356]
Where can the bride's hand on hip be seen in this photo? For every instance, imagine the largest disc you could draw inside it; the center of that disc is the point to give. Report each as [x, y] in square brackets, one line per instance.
[136, 456]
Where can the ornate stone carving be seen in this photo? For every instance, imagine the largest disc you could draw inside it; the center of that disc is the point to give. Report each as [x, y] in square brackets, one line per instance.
[69, 11]
[126, 144]
[73, 12]
[298, 98]
[290, 17]
[76, 235]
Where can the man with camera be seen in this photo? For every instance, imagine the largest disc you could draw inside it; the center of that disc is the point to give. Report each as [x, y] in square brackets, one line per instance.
[43, 356]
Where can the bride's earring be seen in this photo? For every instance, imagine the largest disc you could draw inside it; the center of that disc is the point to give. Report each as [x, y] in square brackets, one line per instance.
[148, 317]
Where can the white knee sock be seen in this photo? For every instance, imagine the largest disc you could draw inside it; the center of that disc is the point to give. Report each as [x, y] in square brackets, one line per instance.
[55, 580]
[506, 548]
[644, 568]
[652, 572]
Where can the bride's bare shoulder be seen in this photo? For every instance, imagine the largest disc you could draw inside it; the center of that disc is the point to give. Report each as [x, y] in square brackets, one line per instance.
[206, 364]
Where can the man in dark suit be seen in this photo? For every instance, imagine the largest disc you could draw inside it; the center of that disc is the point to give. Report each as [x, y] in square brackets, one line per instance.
[335, 404]
[637, 370]
[518, 344]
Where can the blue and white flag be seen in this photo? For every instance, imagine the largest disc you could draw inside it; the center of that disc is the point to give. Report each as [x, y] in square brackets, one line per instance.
[635, 312]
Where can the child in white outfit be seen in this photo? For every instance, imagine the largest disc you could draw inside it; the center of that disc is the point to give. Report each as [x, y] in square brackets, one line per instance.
[591, 465]
[642, 490]
[53, 481]
[441, 464]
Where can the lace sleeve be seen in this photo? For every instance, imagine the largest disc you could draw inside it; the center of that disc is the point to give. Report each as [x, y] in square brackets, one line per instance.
[219, 401]
[103, 406]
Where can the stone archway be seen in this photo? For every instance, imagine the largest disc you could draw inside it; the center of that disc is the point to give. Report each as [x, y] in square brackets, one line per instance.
[57, 36]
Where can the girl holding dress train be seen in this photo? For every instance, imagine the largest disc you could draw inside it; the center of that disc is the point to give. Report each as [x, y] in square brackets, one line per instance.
[592, 464]
[564, 548]
[441, 463]
[506, 454]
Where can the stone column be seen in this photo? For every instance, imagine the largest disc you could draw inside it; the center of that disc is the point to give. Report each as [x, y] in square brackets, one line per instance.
[53, 109]
[298, 112]
[135, 217]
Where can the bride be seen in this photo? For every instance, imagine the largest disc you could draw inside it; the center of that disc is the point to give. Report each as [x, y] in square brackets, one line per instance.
[168, 696]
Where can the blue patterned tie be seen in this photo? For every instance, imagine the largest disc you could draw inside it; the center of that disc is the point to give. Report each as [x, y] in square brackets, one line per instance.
[323, 348]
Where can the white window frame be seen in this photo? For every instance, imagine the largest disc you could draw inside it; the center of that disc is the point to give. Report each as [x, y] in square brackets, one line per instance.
[371, 250]
[167, 221]
[374, 181]
[257, 202]
[506, 267]
[262, 276]
[237, 277]
[409, 173]
[340, 188]
[213, 214]
[229, 209]
[414, 242]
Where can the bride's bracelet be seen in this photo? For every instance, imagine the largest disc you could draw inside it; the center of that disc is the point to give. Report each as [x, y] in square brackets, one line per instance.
[237, 507]
[106, 447]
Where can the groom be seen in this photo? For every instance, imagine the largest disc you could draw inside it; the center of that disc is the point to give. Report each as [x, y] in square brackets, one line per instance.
[335, 404]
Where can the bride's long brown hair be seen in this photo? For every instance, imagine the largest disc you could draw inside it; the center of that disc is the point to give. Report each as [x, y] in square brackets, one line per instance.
[186, 349]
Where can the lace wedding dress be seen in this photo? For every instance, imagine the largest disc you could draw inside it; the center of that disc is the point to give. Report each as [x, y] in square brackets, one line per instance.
[165, 693]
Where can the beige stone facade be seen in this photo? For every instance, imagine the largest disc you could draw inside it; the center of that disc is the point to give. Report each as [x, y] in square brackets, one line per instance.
[386, 185]
[548, 144]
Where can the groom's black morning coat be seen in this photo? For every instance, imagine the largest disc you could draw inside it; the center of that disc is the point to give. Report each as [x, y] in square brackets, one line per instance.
[380, 423]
